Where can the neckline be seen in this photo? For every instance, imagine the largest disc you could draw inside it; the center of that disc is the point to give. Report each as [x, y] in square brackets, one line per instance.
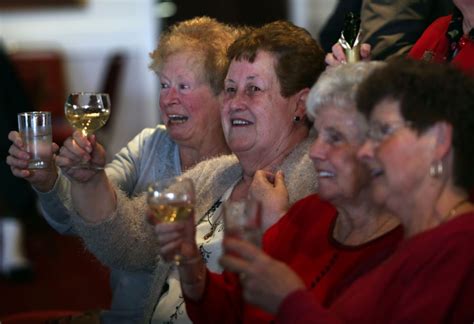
[333, 241]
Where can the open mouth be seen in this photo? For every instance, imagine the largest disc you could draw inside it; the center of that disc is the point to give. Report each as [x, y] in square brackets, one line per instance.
[240, 122]
[376, 173]
[177, 119]
[325, 174]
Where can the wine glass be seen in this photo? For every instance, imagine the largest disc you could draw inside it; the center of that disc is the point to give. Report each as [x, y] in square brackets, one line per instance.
[87, 112]
[171, 200]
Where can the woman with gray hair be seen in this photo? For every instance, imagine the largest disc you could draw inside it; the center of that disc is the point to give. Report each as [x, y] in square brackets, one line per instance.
[323, 237]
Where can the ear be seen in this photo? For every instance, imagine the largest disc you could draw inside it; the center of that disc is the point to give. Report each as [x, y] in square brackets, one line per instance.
[300, 102]
[443, 132]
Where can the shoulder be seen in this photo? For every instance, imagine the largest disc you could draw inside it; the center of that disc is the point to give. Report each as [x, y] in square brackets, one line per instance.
[300, 176]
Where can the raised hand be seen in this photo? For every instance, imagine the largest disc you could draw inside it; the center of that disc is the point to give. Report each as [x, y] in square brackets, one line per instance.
[271, 191]
[77, 150]
[265, 281]
[177, 238]
[337, 56]
[42, 179]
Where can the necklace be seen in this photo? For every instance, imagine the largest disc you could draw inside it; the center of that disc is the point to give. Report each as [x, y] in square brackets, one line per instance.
[454, 210]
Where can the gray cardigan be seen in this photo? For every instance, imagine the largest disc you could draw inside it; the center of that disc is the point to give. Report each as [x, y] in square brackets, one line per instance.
[125, 240]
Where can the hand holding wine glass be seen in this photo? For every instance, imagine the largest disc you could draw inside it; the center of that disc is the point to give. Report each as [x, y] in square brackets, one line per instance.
[87, 112]
[171, 204]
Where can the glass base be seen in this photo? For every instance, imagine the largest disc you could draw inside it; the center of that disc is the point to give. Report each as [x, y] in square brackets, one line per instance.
[38, 164]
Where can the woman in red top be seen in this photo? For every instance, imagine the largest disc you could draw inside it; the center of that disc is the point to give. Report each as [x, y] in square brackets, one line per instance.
[448, 39]
[323, 238]
[420, 154]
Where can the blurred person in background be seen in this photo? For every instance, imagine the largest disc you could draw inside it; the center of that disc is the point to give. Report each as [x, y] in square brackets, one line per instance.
[263, 116]
[191, 63]
[419, 152]
[390, 27]
[17, 199]
[322, 237]
[449, 39]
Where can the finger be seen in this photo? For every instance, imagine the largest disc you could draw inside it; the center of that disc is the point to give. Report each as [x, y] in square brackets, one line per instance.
[20, 172]
[72, 157]
[171, 249]
[163, 228]
[82, 141]
[17, 163]
[233, 264]
[365, 51]
[331, 61]
[18, 153]
[15, 137]
[338, 53]
[279, 179]
[55, 148]
[166, 238]
[241, 248]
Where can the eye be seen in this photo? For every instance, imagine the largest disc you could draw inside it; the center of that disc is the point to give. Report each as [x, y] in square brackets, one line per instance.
[385, 129]
[183, 86]
[230, 90]
[164, 85]
[252, 89]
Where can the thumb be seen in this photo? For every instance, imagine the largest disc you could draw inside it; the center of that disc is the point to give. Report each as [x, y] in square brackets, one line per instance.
[279, 179]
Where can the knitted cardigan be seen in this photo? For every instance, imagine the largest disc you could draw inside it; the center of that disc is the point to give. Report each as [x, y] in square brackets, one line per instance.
[125, 240]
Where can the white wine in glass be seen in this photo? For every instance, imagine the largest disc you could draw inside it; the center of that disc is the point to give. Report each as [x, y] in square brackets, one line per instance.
[171, 200]
[87, 112]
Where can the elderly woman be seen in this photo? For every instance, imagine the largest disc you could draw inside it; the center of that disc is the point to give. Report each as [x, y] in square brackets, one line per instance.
[420, 155]
[263, 117]
[191, 63]
[342, 222]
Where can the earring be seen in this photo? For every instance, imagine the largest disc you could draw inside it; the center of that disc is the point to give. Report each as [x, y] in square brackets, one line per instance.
[436, 169]
[296, 119]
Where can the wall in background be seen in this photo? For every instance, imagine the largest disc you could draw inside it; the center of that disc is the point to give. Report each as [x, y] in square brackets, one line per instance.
[310, 14]
[87, 36]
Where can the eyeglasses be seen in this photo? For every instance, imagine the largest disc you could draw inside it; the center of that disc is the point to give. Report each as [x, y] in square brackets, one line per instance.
[379, 132]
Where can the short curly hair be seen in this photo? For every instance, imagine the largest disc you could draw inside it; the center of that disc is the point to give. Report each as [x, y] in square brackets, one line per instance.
[428, 93]
[207, 39]
[300, 60]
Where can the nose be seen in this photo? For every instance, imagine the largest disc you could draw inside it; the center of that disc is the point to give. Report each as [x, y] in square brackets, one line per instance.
[366, 151]
[235, 101]
[169, 96]
[318, 150]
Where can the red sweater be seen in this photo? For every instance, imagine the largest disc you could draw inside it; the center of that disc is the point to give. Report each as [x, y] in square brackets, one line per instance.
[429, 279]
[433, 46]
[302, 239]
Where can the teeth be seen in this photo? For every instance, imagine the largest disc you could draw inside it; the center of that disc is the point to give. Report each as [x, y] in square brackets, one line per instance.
[325, 174]
[177, 119]
[240, 122]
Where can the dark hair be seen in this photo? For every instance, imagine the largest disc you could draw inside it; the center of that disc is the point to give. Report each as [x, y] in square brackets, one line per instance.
[428, 93]
[300, 60]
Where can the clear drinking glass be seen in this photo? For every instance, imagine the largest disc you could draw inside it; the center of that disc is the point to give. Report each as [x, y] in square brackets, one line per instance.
[242, 220]
[87, 112]
[35, 130]
[171, 200]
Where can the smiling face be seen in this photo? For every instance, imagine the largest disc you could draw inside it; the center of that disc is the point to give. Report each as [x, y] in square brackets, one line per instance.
[398, 158]
[341, 176]
[256, 118]
[189, 109]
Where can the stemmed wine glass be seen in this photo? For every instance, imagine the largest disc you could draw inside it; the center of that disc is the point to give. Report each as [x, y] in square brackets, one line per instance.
[87, 112]
[171, 200]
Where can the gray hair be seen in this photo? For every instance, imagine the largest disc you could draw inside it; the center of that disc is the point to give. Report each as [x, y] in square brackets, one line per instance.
[337, 87]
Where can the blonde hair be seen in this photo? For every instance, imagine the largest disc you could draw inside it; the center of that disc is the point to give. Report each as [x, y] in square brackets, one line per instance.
[206, 39]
